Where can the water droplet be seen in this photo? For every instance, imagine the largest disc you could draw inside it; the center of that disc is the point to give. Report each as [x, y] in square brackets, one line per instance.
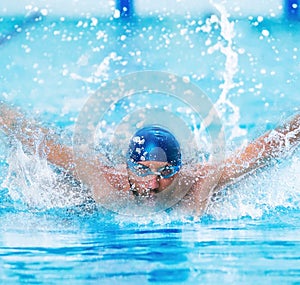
[265, 33]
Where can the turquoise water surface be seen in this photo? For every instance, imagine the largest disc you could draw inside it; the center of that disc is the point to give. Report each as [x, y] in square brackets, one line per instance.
[49, 67]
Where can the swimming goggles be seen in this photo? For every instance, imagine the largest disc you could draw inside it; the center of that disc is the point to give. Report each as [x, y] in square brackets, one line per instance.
[143, 170]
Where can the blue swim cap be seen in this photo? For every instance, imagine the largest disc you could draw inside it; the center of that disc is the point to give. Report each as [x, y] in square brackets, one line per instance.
[154, 143]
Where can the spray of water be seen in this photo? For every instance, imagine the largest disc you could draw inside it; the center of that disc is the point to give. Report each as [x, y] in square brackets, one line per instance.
[261, 193]
[34, 184]
[228, 111]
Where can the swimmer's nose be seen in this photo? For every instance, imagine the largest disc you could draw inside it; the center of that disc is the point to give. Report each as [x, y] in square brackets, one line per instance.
[153, 183]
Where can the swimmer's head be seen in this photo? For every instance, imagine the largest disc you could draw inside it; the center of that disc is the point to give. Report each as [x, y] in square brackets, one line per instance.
[153, 161]
[154, 143]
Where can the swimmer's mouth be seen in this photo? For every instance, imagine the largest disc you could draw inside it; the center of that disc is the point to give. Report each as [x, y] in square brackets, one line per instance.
[147, 193]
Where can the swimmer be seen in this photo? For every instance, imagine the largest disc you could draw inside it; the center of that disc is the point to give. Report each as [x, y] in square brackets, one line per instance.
[153, 161]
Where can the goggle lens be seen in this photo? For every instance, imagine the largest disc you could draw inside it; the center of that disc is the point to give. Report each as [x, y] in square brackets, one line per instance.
[143, 170]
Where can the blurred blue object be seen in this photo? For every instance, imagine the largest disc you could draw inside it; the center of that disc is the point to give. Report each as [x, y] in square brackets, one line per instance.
[125, 7]
[18, 25]
[292, 9]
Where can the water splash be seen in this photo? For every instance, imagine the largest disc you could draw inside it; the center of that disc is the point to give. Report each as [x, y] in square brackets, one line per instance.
[228, 111]
[261, 193]
[33, 183]
[101, 70]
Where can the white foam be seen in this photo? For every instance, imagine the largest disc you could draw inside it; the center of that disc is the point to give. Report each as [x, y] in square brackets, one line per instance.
[34, 183]
[278, 186]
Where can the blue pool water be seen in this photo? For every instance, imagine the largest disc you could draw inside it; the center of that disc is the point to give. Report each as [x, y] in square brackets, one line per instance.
[50, 66]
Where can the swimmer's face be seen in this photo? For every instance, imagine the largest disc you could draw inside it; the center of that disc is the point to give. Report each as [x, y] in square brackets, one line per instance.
[151, 177]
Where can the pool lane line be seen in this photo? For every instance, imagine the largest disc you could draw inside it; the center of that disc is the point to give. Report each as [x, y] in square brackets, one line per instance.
[18, 28]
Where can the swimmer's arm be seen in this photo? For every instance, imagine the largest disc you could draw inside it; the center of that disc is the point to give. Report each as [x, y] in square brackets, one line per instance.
[39, 140]
[261, 152]
[42, 141]
[15, 125]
